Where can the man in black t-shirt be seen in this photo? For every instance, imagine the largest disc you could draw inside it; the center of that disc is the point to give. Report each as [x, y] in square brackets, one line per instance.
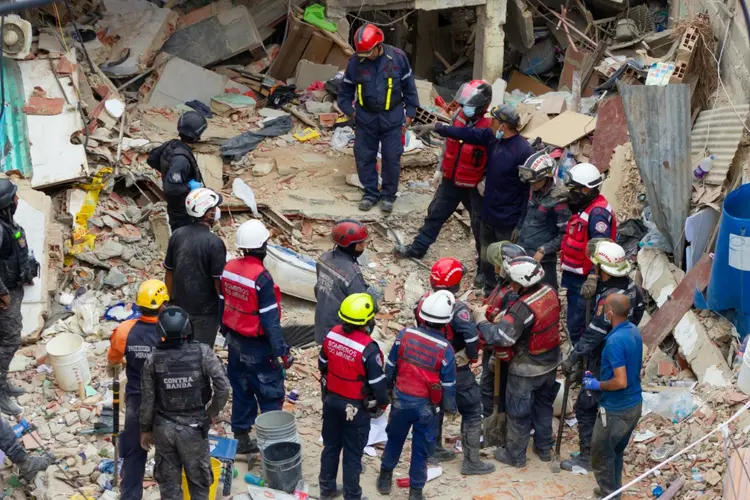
[194, 263]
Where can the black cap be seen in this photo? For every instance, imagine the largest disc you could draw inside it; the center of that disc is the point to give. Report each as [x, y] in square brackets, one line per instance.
[7, 192]
[192, 125]
[174, 324]
[506, 113]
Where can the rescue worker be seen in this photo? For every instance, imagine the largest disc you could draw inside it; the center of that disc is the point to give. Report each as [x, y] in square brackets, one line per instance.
[505, 195]
[531, 324]
[177, 383]
[18, 268]
[593, 217]
[250, 321]
[611, 268]
[460, 171]
[354, 390]
[132, 341]
[339, 275]
[542, 226]
[421, 371]
[11, 446]
[175, 161]
[194, 262]
[499, 254]
[379, 94]
[461, 332]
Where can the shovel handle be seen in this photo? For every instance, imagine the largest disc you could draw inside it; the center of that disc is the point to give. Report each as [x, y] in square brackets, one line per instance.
[496, 392]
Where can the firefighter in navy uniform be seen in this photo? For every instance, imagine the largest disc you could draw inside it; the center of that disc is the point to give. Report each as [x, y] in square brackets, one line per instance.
[175, 161]
[531, 324]
[611, 268]
[132, 342]
[459, 173]
[178, 381]
[354, 391]
[462, 333]
[378, 92]
[251, 323]
[422, 372]
[593, 217]
[18, 268]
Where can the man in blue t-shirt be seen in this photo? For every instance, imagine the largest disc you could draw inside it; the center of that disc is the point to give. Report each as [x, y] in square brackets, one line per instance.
[620, 403]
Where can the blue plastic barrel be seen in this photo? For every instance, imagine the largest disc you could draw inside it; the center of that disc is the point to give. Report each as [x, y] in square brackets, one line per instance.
[729, 285]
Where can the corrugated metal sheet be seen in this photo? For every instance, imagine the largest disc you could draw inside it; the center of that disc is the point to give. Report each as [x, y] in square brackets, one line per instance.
[659, 127]
[724, 130]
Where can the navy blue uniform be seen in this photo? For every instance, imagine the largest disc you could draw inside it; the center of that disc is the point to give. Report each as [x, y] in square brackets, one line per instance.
[381, 92]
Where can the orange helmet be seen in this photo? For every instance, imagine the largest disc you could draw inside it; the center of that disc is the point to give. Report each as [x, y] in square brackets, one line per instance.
[367, 38]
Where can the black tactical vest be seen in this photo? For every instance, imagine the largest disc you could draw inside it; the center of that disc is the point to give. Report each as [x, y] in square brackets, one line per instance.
[181, 386]
[15, 269]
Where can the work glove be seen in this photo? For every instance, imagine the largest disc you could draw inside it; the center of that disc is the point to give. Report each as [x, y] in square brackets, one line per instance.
[588, 290]
[147, 440]
[590, 383]
[193, 184]
[568, 365]
[423, 130]
[514, 235]
[479, 314]
[437, 178]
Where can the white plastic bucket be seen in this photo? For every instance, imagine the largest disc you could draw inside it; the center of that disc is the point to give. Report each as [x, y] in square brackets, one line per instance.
[743, 381]
[557, 406]
[67, 355]
[275, 427]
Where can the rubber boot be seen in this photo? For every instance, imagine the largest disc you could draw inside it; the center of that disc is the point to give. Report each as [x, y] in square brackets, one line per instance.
[502, 456]
[544, 455]
[581, 460]
[29, 466]
[385, 481]
[245, 444]
[14, 390]
[415, 494]
[472, 464]
[8, 405]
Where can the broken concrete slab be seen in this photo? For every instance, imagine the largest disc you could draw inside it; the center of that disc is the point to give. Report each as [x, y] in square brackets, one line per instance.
[141, 27]
[563, 129]
[309, 72]
[675, 301]
[55, 158]
[166, 87]
[227, 32]
[212, 169]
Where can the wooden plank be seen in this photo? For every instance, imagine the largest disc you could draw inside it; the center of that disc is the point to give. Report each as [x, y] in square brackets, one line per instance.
[318, 48]
[611, 131]
[337, 57]
[563, 129]
[526, 84]
[736, 482]
[665, 319]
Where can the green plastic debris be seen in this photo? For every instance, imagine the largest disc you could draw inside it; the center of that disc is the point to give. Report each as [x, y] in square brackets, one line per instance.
[90, 391]
[15, 482]
[316, 15]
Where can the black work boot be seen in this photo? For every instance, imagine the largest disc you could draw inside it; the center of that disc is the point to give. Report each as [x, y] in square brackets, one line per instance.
[502, 456]
[366, 204]
[14, 390]
[245, 444]
[415, 494]
[8, 405]
[407, 252]
[581, 460]
[544, 455]
[479, 279]
[385, 481]
[29, 466]
[386, 206]
[472, 464]
[336, 493]
[441, 455]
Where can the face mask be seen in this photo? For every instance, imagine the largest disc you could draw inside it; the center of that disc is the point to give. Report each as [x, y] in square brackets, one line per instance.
[499, 134]
[217, 214]
[13, 208]
[470, 111]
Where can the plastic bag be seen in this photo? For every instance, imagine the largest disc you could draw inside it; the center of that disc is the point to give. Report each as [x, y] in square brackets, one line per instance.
[84, 308]
[341, 137]
[654, 238]
[675, 406]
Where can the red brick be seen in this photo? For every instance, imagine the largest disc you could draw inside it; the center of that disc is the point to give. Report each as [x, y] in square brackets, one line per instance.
[328, 119]
[37, 105]
[64, 67]
[666, 369]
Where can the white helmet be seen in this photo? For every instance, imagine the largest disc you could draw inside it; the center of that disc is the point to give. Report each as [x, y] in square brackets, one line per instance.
[539, 166]
[438, 307]
[525, 271]
[201, 200]
[251, 235]
[610, 257]
[583, 174]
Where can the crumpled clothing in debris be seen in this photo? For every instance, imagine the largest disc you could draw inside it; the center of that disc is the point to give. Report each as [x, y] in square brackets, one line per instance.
[238, 146]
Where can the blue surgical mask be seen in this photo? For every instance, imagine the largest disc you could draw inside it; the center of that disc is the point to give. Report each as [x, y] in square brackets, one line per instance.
[499, 134]
[470, 111]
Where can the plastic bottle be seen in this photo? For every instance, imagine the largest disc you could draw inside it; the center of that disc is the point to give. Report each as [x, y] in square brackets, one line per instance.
[657, 491]
[704, 166]
[697, 477]
[566, 165]
[253, 479]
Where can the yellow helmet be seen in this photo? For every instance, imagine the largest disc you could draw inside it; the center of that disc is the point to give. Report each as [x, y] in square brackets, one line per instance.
[152, 294]
[357, 309]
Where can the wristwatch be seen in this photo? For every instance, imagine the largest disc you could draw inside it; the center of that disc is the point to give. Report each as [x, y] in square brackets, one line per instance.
[541, 249]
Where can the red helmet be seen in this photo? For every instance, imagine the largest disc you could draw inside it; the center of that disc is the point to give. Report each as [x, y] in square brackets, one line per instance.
[367, 38]
[446, 273]
[348, 232]
[476, 93]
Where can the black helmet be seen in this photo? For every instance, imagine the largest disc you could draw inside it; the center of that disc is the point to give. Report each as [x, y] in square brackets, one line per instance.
[477, 93]
[174, 324]
[192, 125]
[7, 192]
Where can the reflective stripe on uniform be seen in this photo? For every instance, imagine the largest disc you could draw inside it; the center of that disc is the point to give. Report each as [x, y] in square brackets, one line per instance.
[359, 95]
[324, 361]
[269, 308]
[565, 267]
[239, 279]
[428, 337]
[336, 337]
[375, 381]
[406, 75]
[388, 95]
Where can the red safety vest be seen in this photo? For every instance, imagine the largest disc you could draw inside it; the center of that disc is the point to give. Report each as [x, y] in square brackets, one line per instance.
[545, 332]
[464, 163]
[420, 357]
[346, 369]
[494, 303]
[448, 328]
[241, 312]
[573, 249]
